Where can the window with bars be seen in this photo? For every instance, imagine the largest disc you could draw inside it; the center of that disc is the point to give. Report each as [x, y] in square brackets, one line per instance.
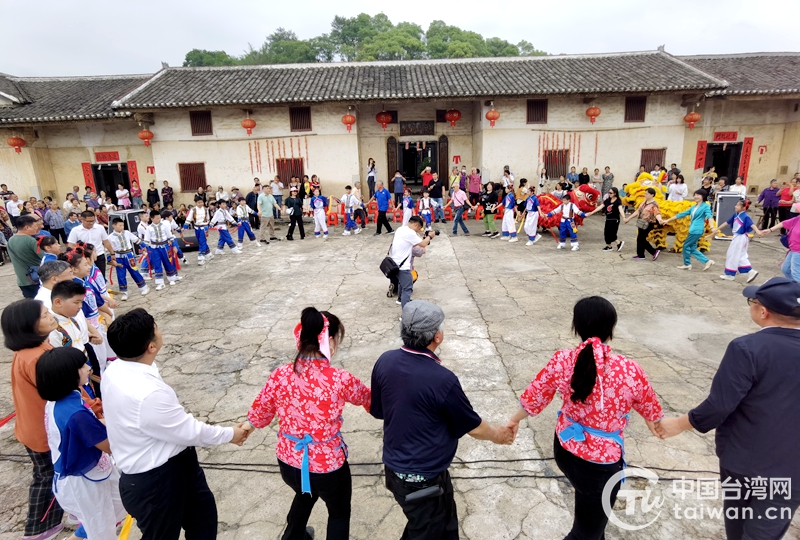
[652, 157]
[201, 122]
[635, 108]
[289, 167]
[557, 163]
[537, 111]
[192, 176]
[300, 118]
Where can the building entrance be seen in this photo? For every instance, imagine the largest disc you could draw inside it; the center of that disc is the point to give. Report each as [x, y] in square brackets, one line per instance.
[413, 157]
[725, 158]
[108, 175]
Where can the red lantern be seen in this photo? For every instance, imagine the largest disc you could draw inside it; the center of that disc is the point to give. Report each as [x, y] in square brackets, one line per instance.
[348, 120]
[16, 142]
[249, 124]
[146, 135]
[692, 118]
[383, 118]
[452, 116]
[592, 113]
[492, 116]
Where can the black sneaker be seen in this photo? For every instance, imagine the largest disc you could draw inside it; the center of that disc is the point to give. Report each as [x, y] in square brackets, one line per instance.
[607, 248]
[289, 238]
[619, 247]
[376, 234]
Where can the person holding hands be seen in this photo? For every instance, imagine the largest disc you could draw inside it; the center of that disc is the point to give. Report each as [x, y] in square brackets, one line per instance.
[598, 389]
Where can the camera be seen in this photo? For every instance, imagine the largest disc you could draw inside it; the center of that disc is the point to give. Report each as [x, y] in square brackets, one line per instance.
[435, 233]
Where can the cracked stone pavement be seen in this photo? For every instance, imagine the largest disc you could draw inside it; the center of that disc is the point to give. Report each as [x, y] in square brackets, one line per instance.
[229, 323]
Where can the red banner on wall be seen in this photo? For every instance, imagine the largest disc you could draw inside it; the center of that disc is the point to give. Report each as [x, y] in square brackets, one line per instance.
[133, 173]
[88, 176]
[726, 136]
[744, 164]
[700, 158]
[106, 156]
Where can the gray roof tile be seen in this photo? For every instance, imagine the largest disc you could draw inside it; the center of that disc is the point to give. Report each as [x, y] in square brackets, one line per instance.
[645, 72]
[65, 99]
[752, 73]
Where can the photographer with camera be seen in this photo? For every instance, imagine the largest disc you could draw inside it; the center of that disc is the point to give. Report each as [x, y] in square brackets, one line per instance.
[405, 239]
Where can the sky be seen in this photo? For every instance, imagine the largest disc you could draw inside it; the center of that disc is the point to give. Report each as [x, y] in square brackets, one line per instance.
[93, 37]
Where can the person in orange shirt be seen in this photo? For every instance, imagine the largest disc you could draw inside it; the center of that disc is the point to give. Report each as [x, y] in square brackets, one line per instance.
[26, 326]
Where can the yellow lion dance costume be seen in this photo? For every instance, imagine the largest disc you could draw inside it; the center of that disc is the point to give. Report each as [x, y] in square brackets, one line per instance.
[658, 236]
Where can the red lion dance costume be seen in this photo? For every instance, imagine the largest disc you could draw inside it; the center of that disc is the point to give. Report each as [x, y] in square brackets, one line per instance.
[585, 197]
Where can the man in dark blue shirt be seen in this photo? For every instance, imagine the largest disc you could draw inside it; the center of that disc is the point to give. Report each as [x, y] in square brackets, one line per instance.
[425, 412]
[754, 404]
[382, 197]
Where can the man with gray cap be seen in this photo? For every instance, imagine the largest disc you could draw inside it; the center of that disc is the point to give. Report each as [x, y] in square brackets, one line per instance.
[425, 413]
[754, 404]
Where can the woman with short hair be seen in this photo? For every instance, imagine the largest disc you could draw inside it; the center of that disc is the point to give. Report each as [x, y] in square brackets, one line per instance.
[598, 388]
[26, 327]
[308, 395]
[700, 215]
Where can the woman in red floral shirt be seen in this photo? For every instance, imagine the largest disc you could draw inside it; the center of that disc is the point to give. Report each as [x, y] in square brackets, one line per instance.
[308, 396]
[598, 389]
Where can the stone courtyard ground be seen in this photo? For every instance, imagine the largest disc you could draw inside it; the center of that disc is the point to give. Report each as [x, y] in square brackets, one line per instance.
[228, 324]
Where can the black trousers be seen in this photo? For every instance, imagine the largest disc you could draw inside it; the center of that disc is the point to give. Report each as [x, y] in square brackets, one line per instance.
[255, 222]
[433, 518]
[59, 235]
[588, 479]
[360, 215]
[334, 488]
[383, 221]
[296, 220]
[770, 216]
[756, 519]
[41, 515]
[610, 231]
[398, 200]
[371, 185]
[169, 498]
[29, 291]
[642, 244]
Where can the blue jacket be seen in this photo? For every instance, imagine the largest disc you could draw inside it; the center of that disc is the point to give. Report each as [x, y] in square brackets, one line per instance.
[383, 197]
[698, 224]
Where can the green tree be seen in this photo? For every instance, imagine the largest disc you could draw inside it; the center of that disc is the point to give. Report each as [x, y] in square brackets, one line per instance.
[500, 47]
[202, 57]
[348, 34]
[399, 43]
[527, 49]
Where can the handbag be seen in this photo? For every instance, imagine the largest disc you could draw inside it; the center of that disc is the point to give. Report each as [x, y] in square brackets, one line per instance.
[389, 267]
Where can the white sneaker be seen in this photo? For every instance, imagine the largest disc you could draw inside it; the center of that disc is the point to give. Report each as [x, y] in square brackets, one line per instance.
[239, 246]
[685, 267]
[256, 243]
[537, 238]
[145, 290]
[124, 297]
[183, 260]
[209, 257]
[171, 283]
[751, 275]
[325, 236]
[358, 230]
[159, 286]
[178, 278]
[514, 239]
[560, 246]
[236, 250]
[529, 243]
[708, 265]
[726, 277]
[575, 247]
[503, 237]
[218, 251]
[201, 260]
[346, 233]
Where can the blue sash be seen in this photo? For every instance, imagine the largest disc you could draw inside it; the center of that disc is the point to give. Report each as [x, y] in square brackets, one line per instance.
[577, 432]
[302, 446]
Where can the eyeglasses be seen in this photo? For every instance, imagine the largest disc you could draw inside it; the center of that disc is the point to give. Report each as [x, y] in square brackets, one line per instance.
[751, 301]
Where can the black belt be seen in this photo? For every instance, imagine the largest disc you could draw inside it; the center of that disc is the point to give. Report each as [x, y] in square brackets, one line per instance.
[160, 243]
[123, 252]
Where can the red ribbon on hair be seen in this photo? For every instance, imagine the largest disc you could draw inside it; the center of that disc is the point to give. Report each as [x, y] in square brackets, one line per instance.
[600, 351]
[323, 338]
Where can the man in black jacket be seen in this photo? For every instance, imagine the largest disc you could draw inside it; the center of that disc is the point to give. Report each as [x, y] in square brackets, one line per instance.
[252, 201]
[754, 404]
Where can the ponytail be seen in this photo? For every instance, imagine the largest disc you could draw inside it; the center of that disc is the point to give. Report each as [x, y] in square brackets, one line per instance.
[312, 323]
[592, 317]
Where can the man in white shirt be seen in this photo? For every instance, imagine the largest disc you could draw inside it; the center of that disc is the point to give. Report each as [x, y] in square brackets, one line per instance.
[14, 208]
[153, 438]
[277, 192]
[405, 239]
[91, 233]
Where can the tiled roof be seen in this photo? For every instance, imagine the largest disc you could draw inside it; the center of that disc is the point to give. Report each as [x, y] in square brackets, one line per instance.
[65, 99]
[752, 73]
[10, 90]
[639, 72]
